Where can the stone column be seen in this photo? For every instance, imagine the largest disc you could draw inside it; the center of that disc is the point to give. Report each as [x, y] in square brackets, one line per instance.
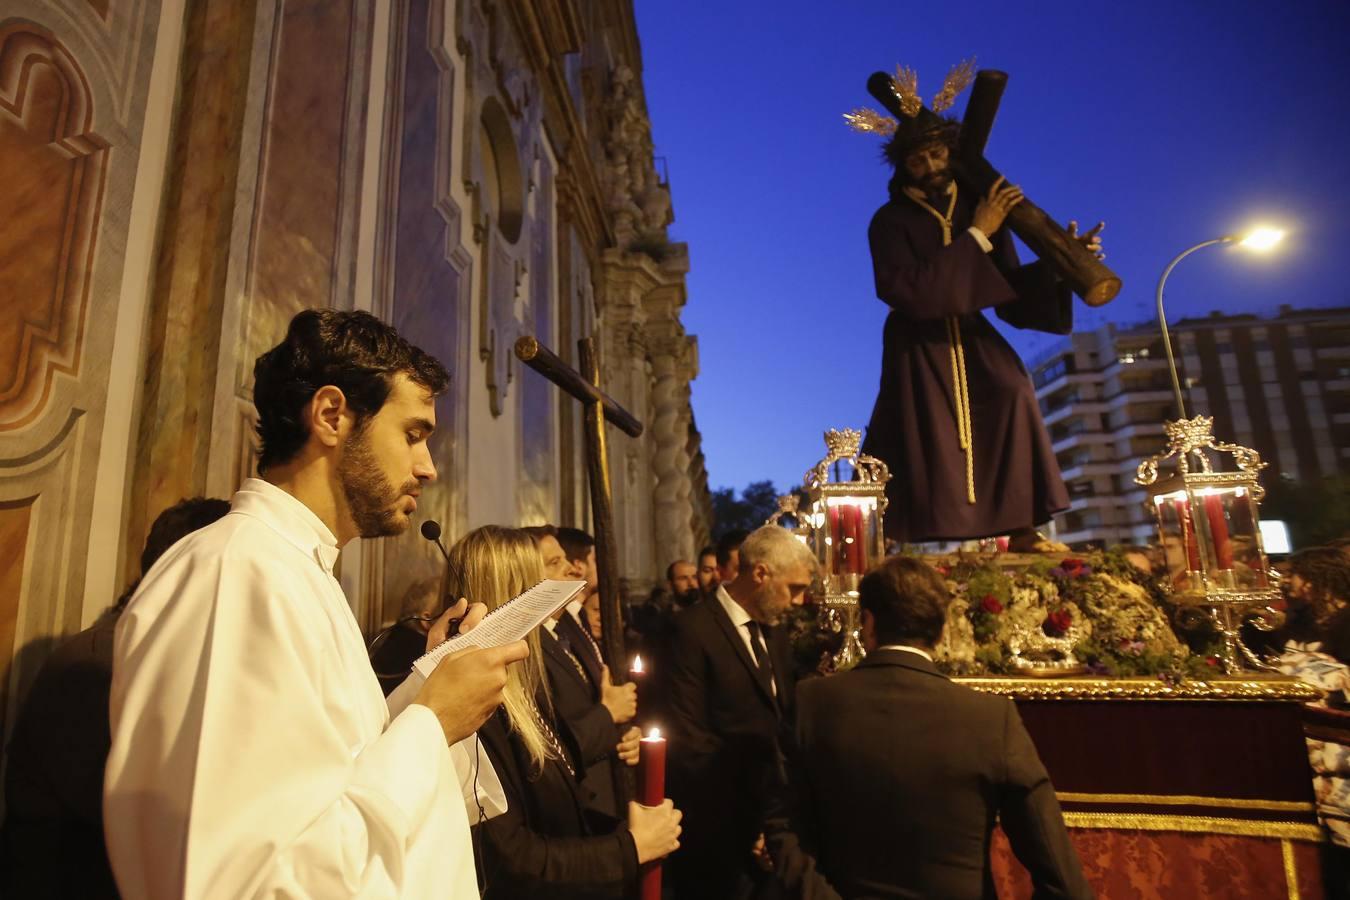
[625, 278]
[669, 352]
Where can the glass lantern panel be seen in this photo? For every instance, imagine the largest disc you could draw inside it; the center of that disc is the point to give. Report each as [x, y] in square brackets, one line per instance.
[1227, 524]
[1181, 550]
[852, 531]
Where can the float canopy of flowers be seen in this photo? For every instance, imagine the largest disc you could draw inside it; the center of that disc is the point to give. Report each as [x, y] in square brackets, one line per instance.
[1115, 616]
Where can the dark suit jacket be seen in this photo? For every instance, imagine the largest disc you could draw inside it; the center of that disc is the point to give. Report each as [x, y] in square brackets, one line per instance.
[53, 834]
[543, 845]
[726, 745]
[900, 777]
[576, 700]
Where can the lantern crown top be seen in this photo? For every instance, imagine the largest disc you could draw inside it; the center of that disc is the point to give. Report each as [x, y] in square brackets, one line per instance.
[845, 444]
[1189, 439]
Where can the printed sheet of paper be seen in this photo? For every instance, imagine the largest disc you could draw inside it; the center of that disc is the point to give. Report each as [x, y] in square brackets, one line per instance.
[509, 622]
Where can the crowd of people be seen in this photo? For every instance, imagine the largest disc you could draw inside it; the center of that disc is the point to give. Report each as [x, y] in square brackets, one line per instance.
[226, 731]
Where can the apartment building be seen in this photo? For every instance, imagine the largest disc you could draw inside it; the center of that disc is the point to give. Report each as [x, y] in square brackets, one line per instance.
[1280, 385]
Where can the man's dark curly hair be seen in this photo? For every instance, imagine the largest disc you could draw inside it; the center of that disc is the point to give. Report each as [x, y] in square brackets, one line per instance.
[1327, 572]
[353, 351]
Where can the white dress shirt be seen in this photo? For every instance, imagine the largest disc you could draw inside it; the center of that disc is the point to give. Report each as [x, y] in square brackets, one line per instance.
[739, 620]
[908, 649]
[252, 751]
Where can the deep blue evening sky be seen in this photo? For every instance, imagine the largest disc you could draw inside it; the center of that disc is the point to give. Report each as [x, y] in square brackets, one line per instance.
[1174, 122]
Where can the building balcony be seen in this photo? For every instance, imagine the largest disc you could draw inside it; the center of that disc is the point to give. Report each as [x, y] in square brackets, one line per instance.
[1072, 410]
[1140, 364]
[1081, 439]
[1088, 470]
[1129, 397]
[1095, 501]
[1138, 429]
[1064, 381]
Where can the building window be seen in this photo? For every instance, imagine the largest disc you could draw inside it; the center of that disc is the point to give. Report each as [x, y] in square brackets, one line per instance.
[1054, 370]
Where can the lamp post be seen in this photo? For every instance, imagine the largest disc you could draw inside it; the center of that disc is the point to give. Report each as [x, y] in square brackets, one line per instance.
[1207, 520]
[1258, 239]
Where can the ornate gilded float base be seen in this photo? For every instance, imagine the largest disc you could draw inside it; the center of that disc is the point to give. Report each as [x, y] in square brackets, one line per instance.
[1277, 688]
[1294, 831]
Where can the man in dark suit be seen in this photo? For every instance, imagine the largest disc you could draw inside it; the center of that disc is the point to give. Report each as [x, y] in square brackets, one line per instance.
[730, 688]
[593, 709]
[901, 773]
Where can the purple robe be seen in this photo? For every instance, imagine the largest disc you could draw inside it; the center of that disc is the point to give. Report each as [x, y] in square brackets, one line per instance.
[914, 422]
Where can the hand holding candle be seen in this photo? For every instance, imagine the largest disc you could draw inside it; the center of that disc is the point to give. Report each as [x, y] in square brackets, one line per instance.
[628, 746]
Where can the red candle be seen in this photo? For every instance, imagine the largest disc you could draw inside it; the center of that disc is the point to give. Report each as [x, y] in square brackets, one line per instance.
[837, 543]
[859, 542]
[651, 789]
[1218, 529]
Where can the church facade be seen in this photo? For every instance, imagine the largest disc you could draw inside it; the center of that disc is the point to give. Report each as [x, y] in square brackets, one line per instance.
[186, 175]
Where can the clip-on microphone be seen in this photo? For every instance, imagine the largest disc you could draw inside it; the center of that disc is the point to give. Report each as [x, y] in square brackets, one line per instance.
[431, 530]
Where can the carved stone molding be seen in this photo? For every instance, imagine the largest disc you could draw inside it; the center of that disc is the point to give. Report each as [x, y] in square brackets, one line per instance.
[635, 197]
[116, 35]
[46, 101]
[502, 134]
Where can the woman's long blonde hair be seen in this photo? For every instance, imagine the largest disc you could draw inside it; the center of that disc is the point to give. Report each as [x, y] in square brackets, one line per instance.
[490, 565]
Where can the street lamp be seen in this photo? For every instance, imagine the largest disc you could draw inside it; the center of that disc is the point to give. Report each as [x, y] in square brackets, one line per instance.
[1258, 240]
[1207, 519]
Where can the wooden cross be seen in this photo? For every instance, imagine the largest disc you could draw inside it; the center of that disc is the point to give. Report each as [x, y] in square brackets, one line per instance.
[1081, 270]
[585, 387]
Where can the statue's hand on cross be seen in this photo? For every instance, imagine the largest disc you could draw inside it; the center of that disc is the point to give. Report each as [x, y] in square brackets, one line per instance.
[995, 206]
[1090, 239]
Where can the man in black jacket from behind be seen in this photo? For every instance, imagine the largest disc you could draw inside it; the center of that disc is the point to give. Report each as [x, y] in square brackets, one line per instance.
[901, 773]
[730, 697]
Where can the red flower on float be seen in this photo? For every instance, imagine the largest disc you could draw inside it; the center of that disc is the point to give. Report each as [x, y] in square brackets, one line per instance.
[1057, 623]
[1073, 567]
[990, 604]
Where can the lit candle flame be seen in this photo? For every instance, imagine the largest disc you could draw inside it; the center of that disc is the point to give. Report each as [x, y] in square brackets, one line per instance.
[654, 734]
[637, 664]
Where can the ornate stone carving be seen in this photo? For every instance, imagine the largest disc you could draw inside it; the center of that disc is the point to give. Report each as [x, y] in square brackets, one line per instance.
[501, 136]
[634, 195]
[55, 206]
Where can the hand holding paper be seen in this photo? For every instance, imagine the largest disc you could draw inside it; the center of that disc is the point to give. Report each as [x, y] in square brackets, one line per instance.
[467, 687]
[511, 621]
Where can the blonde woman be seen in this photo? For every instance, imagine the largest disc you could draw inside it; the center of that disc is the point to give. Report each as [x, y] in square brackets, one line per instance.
[543, 845]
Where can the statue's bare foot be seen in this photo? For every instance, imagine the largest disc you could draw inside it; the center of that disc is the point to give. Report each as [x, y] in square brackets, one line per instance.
[1029, 540]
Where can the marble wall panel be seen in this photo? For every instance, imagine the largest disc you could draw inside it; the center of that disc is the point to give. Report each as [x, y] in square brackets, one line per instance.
[424, 273]
[74, 83]
[537, 491]
[50, 214]
[308, 168]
